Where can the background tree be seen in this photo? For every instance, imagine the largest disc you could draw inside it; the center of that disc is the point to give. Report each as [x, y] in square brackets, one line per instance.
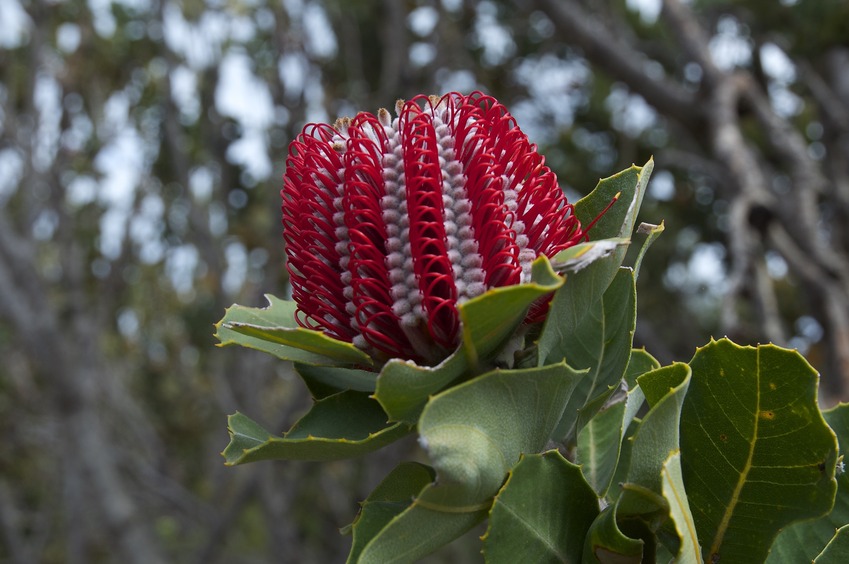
[141, 149]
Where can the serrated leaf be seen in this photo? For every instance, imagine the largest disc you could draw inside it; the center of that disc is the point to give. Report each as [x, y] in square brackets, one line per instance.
[273, 330]
[488, 321]
[652, 232]
[601, 344]
[600, 440]
[437, 516]
[679, 509]
[391, 497]
[756, 453]
[343, 425]
[607, 544]
[473, 433]
[302, 339]
[541, 514]
[639, 363]
[620, 219]
[657, 436]
[323, 381]
[578, 296]
[837, 549]
[803, 541]
[640, 508]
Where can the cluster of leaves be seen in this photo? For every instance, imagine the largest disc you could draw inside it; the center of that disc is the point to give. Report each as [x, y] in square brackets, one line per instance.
[695, 462]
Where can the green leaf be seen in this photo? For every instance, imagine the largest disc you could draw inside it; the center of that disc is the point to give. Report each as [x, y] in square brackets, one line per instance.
[304, 339]
[577, 298]
[323, 381]
[803, 541]
[756, 452]
[343, 425]
[473, 433]
[641, 508]
[542, 514]
[607, 544]
[620, 219]
[488, 321]
[620, 474]
[657, 435]
[403, 387]
[652, 232]
[639, 363]
[437, 516]
[679, 509]
[600, 440]
[601, 344]
[392, 496]
[273, 329]
[837, 549]
[655, 439]
[491, 318]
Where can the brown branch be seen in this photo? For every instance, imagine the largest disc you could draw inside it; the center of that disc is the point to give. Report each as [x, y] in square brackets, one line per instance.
[808, 181]
[585, 30]
[692, 38]
[834, 110]
[10, 528]
[831, 292]
[394, 50]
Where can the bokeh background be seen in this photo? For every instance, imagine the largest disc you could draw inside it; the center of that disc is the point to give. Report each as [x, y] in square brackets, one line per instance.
[142, 144]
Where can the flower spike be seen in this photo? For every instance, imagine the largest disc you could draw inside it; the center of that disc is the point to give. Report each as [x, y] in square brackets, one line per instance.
[390, 224]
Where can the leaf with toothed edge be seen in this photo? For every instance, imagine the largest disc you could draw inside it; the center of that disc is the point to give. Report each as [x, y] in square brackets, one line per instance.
[390, 498]
[489, 320]
[572, 303]
[756, 453]
[343, 425]
[273, 330]
[474, 433]
[625, 531]
[601, 344]
[541, 514]
[801, 542]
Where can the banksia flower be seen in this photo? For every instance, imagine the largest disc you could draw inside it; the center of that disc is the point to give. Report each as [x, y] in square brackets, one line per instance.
[391, 223]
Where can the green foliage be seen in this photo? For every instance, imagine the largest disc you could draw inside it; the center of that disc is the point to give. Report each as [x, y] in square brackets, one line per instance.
[488, 321]
[390, 498]
[586, 287]
[690, 462]
[757, 454]
[542, 514]
[343, 425]
[803, 541]
[273, 329]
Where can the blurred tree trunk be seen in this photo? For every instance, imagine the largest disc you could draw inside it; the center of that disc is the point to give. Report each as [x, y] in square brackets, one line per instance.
[731, 118]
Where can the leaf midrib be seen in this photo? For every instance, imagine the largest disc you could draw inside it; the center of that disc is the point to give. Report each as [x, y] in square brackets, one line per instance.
[553, 550]
[741, 481]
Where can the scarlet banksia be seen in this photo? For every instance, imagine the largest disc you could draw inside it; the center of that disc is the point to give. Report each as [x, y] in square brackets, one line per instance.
[391, 223]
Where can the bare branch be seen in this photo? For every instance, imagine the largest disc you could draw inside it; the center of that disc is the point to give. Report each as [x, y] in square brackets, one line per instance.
[581, 28]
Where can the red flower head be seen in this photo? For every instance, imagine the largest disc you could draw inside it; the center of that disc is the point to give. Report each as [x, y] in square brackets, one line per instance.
[389, 224]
